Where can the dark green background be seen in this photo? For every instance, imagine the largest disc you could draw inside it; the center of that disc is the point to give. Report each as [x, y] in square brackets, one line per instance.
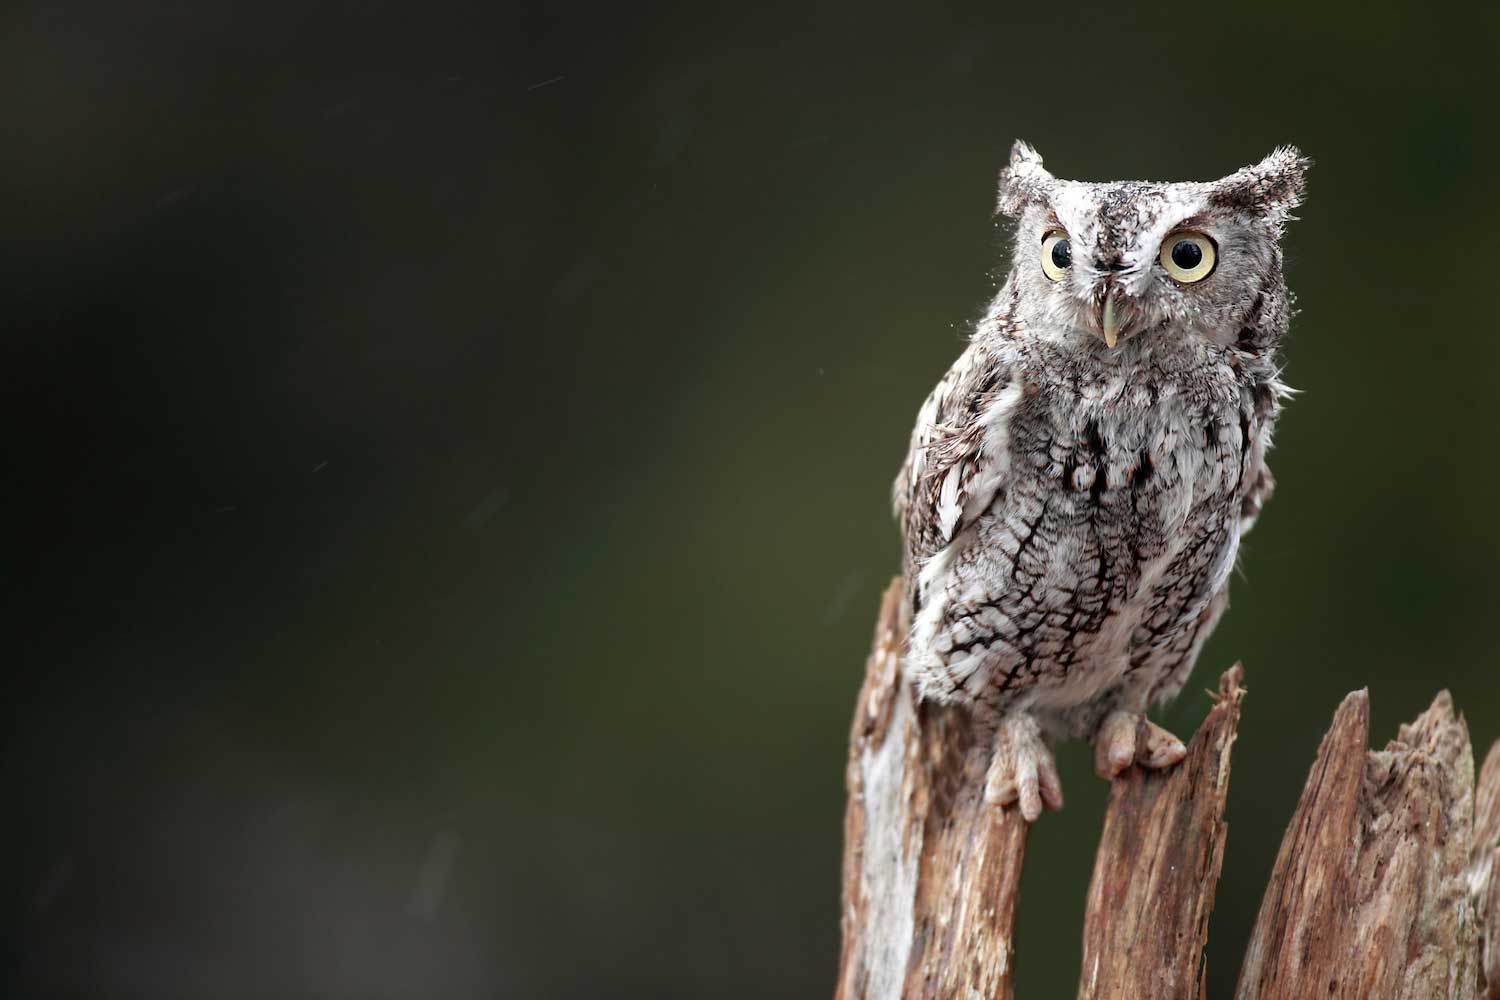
[434, 425]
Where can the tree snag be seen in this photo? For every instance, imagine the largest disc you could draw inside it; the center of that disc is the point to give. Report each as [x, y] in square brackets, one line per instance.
[1387, 883]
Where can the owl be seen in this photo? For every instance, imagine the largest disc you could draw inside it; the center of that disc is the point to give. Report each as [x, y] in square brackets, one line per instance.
[1078, 483]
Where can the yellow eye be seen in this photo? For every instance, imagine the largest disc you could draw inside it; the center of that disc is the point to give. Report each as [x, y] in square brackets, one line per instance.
[1189, 256]
[1057, 254]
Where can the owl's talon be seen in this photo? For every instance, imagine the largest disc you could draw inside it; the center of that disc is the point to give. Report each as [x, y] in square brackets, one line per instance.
[1022, 769]
[1126, 738]
[1114, 744]
[1160, 749]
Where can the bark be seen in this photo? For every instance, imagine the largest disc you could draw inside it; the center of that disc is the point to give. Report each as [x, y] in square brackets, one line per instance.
[1146, 921]
[1368, 897]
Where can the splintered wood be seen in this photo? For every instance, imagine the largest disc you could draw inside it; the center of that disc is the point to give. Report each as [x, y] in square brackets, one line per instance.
[1369, 895]
[1385, 886]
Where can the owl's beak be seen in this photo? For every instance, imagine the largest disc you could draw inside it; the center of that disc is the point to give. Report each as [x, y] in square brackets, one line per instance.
[1110, 322]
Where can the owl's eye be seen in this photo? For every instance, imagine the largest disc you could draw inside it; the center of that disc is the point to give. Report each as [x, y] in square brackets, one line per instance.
[1188, 256]
[1057, 254]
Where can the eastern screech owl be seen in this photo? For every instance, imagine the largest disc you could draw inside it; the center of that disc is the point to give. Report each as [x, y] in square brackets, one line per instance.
[1078, 482]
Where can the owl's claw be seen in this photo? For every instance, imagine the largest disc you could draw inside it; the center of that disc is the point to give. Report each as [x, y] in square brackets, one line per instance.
[1022, 769]
[1126, 738]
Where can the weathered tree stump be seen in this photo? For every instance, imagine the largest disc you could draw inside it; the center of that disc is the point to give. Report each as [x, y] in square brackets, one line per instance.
[1383, 887]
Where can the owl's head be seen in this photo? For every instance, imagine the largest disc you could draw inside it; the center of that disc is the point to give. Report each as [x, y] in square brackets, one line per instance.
[1110, 262]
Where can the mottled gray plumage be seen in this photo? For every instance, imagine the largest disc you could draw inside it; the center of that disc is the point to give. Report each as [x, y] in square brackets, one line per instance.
[1078, 482]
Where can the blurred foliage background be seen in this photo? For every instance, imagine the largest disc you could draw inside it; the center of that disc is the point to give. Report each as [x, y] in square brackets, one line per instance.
[448, 452]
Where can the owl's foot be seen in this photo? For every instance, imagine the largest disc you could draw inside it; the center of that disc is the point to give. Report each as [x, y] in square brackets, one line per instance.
[1022, 769]
[1126, 738]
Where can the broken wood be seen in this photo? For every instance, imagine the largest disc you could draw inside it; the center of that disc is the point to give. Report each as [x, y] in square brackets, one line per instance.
[1384, 885]
[1368, 897]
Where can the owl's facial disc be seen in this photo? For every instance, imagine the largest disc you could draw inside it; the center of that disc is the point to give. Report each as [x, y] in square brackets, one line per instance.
[1104, 300]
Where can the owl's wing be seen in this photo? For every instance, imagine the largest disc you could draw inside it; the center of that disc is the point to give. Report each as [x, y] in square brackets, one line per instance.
[959, 458]
[1259, 411]
[1260, 491]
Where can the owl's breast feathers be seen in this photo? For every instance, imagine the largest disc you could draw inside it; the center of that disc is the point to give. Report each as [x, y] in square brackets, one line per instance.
[1058, 508]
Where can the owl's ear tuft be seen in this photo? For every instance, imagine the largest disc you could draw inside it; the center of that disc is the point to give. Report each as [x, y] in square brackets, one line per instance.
[1023, 182]
[1270, 189]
